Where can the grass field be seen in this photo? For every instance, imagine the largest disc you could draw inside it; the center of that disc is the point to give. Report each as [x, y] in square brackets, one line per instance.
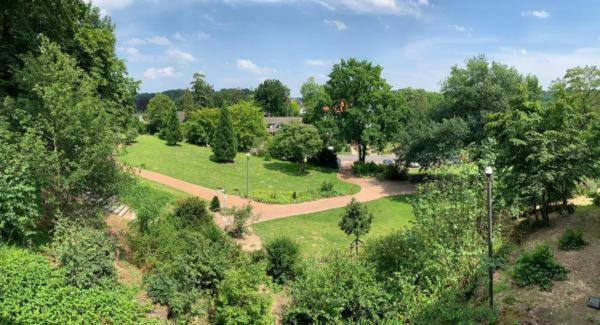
[192, 163]
[318, 233]
[150, 196]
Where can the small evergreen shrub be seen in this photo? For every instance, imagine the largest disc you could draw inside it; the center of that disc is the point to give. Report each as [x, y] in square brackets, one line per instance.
[327, 188]
[571, 239]
[294, 196]
[538, 267]
[283, 259]
[192, 211]
[215, 205]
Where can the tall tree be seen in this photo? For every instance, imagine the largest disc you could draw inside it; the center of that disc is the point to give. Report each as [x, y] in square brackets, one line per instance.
[583, 84]
[274, 97]
[202, 91]
[79, 30]
[248, 124]
[158, 111]
[171, 131]
[186, 103]
[200, 126]
[296, 142]
[369, 114]
[58, 124]
[356, 221]
[231, 96]
[224, 144]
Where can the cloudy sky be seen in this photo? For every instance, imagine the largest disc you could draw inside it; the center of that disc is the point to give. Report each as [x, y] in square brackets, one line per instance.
[239, 43]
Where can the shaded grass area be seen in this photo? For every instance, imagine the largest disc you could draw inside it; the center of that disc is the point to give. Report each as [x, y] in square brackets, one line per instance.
[193, 164]
[152, 197]
[317, 233]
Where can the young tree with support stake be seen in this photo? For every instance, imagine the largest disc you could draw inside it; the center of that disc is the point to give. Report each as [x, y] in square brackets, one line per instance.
[356, 221]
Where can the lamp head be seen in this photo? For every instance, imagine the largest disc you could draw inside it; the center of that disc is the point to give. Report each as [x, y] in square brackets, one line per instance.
[248, 155]
[488, 171]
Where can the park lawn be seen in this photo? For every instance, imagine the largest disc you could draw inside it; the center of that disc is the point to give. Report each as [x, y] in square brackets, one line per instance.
[150, 197]
[192, 163]
[318, 233]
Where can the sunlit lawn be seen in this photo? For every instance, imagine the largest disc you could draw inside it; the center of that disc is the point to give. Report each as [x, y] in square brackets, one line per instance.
[318, 233]
[192, 163]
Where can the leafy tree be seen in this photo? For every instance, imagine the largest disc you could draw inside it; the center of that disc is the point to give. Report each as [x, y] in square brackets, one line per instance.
[248, 124]
[356, 221]
[200, 126]
[58, 124]
[192, 212]
[283, 259]
[186, 103]
[314, 98]
[202, 91]
[273, 97]
[296, 142]
[79, 30]
[369, 114]
[231, 96]
[159, 112]
[224, 144]
[171, 131]
[583, 84]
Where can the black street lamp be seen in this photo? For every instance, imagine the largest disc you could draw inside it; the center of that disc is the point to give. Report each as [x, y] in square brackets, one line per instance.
[248, 175]
[489, 172]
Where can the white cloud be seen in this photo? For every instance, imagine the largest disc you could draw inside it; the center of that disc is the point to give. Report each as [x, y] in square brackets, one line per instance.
[158, 40]
[339, 25]
[178, 37]
[132, 51]
[317, 62]
[536, 13]
[179, 55]
[250, 66]
[135, 41]
[203, 35]
[384, 7]
[155, 73]
[459, 28]
[106, 6]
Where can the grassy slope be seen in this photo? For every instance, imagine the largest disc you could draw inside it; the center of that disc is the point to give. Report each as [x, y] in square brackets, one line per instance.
[192, 164]
[145, 194]
[318, 232]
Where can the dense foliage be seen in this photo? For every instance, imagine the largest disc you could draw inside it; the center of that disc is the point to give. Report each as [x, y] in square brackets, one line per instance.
[273, 98]
[571, 239]
[171, 132]
[296, 142]
[33, 292]
[248, 124]
[537, 266]
[200, 126]
[224, 144]
[283, 259]
[356, 221]
[159, 112]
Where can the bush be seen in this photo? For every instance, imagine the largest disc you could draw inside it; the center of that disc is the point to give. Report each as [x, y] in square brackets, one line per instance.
[192, 212]
[571, 239]
[327, 188]
[86, 255]
[32, 292]
[338, 290]
[241, 296]
[392, 173]
[325, 158]
[538, 266]
[240, 217]
[361, 169]
[283, 258]
[215, 205]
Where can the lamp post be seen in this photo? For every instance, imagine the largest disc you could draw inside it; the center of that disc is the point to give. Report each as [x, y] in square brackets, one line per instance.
[248, 175]
[489, 172]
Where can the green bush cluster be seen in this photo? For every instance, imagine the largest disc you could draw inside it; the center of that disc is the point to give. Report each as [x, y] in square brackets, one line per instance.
[86, 255]
[571, 239]
[241, 215]
[33, 292]
[372, 169]
[537, 266]
[192, 212]
[283, 259]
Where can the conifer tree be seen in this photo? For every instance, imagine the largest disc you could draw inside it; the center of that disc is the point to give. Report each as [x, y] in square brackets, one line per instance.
[171, 132]
[224, 144]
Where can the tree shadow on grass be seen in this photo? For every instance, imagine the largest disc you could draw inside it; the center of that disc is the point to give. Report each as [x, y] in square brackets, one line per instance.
[406, 198]
[213, 158]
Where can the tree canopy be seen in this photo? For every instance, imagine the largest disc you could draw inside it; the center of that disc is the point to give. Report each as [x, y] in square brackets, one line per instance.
[296, 142]
[273, 96]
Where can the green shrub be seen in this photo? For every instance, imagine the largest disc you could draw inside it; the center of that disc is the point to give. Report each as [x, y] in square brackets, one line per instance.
[215, 205]
[242, 297]
[325, 158]
[340, 289]
[283, 259]
[160, 242]
[240, 216]
[326, 188]
[571, 239]
[595, 198]
[538, 266]
[371, 168]
[192, 212]
[86, 255]
[392, 173]
[32, 292]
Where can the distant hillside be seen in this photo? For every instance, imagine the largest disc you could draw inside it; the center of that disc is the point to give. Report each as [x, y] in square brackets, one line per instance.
[141, 100]
[222, 97]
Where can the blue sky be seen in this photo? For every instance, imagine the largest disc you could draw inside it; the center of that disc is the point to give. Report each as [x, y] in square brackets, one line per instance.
[239, 43]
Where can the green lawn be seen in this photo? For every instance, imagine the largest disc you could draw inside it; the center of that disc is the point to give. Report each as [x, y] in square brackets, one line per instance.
[192, 163]
[152, 197]
[319, 233]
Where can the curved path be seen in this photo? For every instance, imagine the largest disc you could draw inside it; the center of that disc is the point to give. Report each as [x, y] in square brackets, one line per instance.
[370, 189]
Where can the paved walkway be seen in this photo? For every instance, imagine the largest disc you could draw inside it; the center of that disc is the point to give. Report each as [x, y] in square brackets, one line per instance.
[370, 189]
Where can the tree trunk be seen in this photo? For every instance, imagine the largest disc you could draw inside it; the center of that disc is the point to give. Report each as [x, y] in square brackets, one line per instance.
[545, 213]
[362, 152]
